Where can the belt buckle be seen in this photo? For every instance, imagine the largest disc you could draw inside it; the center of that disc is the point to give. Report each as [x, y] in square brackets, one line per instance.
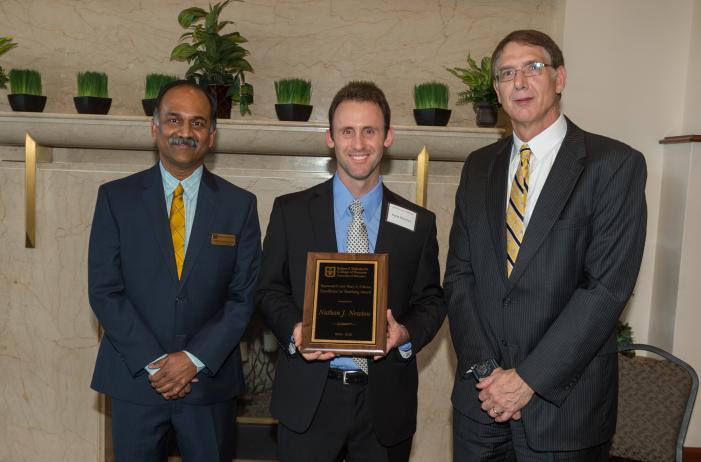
[345, 377]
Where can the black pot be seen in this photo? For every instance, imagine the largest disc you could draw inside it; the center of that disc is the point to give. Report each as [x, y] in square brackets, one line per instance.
[223, 102]
[149, 106]
[434, 116]
[21, 102]
[294, 112]
[92, 104]
[486, 115]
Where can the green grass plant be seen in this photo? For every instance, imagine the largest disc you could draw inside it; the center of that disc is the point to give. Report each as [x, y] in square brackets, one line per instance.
[92, 84]
[293, 91]
[431, 95]
[154, 83]
[25, 82]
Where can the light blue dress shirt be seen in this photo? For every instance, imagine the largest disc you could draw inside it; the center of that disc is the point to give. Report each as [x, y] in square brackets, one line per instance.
[191, 189]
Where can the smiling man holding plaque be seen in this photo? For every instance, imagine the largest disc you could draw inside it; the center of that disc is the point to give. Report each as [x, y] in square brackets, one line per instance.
[333, 407]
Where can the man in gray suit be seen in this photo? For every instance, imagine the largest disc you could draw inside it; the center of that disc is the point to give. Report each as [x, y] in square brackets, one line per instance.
[545, 249]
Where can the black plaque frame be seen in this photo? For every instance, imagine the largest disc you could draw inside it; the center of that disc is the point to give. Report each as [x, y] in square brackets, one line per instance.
[353, 335]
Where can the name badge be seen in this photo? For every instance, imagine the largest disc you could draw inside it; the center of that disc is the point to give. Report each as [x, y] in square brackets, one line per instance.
[401, 216]
[223, 239]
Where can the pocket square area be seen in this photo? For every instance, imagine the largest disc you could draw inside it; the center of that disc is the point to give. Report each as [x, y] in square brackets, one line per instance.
[223, 239]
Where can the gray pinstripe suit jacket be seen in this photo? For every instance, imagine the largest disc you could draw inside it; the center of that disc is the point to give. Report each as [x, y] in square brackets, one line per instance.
[554, 318]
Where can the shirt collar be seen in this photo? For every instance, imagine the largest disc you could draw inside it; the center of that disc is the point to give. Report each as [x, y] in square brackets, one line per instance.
[190, 184]
[544, 142]
[342, 198]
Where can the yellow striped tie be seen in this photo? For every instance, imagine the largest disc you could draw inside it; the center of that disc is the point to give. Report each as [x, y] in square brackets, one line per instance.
[177, 227]
[516, 211]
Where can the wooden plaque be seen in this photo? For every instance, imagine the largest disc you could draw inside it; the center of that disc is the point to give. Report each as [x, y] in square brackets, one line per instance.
[345, 303]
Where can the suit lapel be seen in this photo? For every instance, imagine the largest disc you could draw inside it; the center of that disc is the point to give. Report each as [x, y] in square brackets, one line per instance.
[556, 192]
[155, 203]
[385, 234]
[321, 213]
[497, 181]
[204, 215]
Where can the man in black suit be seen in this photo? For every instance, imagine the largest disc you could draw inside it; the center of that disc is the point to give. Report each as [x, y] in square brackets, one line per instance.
[545, 249]
[173, 259]
[329, 409]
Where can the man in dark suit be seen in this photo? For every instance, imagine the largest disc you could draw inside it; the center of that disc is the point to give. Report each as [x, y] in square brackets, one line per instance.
[329, 409]
[545, 249]
[174, 254]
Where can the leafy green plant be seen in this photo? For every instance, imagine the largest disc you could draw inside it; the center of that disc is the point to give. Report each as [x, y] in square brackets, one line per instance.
[6, 44]
[431, 95]
[293, 91]
[154, 83]
[92, 84]
[214, 58]
[478, 78]
[25, 81]
[624, 336]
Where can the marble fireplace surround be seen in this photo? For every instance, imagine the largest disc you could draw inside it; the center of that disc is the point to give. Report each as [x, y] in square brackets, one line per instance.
[47, 330]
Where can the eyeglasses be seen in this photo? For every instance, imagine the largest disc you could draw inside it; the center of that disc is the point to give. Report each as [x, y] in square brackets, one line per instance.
[529, 70]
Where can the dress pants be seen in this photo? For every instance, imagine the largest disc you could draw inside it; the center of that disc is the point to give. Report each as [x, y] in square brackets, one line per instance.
[205, 433]
[341, 430]
[496, 442]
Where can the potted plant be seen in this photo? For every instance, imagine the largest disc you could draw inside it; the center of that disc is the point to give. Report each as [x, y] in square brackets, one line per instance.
[431, 101]
[217, 61]
[154, 83]
[25, 91]
[480, 90]
[293, 98]
[92, 93]
[6, 44]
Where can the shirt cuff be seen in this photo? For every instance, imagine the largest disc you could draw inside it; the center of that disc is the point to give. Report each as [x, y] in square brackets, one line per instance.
[153, 371]
[405, 350]
[195, 360]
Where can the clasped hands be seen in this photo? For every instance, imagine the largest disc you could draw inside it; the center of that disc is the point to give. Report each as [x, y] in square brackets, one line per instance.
[175, 376]
[503, 394]
[397, 335]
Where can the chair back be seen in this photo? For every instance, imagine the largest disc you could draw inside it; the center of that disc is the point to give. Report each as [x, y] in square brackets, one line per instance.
[655, 400]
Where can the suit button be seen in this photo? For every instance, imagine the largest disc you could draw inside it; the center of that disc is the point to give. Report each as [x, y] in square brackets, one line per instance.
[504, 342]
[507, 302]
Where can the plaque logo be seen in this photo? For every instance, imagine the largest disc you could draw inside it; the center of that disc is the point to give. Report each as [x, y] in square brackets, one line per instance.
[330, 271]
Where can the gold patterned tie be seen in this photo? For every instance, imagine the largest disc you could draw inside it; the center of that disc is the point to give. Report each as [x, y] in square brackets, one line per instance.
[357, 242]
[516, 211]
[177, 227]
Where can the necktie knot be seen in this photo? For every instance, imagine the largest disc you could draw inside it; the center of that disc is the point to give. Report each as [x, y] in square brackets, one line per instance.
[356, 208]
[525, 153]
[179, 190]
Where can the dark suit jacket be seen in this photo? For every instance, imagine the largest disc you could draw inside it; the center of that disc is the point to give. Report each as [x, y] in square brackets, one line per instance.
[146, 311]
[554, 318]
[303, 222]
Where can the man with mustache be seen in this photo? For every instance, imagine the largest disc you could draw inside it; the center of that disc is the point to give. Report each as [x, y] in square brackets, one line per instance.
[173, 258]
[334, 408]
[545, 248]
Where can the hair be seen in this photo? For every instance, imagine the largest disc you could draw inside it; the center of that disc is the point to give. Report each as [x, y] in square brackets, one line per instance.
[361, 91]
[530, 37]
[187, 83]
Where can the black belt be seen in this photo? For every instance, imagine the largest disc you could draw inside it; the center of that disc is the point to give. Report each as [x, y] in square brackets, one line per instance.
[348, 377]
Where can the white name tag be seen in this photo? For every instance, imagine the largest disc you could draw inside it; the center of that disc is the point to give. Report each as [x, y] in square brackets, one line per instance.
[401, 216]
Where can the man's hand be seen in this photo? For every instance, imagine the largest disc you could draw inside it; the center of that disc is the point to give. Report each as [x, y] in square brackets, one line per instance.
[175, 376]
[503, 394]
[315, 356]
[397, 334]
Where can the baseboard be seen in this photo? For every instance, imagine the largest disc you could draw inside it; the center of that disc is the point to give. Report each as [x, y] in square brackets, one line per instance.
[692, 454]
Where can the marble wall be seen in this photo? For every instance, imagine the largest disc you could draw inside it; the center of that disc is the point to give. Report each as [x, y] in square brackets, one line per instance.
[397, 43]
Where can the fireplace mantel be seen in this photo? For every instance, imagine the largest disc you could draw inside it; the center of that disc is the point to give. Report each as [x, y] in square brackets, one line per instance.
[262, 137]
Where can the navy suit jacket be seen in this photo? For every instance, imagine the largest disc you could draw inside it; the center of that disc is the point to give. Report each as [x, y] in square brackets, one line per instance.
[304, 221]
[554, 318]
[146, 311]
